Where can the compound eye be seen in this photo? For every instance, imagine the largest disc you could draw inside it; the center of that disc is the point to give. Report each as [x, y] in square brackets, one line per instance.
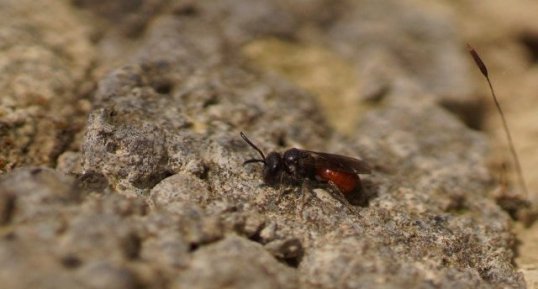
[273, 166]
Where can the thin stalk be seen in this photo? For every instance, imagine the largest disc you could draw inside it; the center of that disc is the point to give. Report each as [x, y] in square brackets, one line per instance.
[484, 71]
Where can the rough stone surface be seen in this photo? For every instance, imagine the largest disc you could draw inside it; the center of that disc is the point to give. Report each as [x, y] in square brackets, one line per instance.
[253, 267]
[154, 193]
[43, 68]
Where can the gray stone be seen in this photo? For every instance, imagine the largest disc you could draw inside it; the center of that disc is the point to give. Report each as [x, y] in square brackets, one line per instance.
[44, 69]
[155, 193]
[180, 187]
[236, 263]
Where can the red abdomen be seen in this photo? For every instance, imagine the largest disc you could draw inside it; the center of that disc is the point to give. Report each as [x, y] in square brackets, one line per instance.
[346, 182]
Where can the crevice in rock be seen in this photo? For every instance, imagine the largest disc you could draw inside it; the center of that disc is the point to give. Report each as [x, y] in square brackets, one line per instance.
[193, 247]
[71, 261]
[281, 140]
[456, 203]
[186, 8]
[64, 138]
[131, 245]
[472, 114]
[152, 180]
[163, 87]
[530, 41]
[292, 262]
[203, 174]
[256, 237]
[287, 251]
[7, 207]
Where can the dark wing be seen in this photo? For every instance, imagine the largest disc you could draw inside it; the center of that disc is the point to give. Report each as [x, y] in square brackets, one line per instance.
[339, 163]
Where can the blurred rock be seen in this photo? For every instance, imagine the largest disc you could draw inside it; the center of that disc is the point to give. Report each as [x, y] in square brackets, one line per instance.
[179, 188]
[33, 192]
[43, 70]
[102, 275]
[237, 263]
[157, 196]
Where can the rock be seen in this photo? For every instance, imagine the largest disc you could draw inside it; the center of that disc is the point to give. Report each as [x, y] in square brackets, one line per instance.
[69, 163]
[427, 47]
[238, 263]
[44, 68]
[180, 187]
[157, 194]
[286, 249]
[18, 255]
[29, 193]
[101, 275]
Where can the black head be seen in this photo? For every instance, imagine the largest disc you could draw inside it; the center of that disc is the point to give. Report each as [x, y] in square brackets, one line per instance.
[272, 165]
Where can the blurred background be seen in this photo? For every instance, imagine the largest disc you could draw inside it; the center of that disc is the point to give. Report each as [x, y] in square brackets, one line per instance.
[347, 54]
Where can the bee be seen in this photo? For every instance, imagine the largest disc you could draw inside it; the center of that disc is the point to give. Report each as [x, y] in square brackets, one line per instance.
[298, 165]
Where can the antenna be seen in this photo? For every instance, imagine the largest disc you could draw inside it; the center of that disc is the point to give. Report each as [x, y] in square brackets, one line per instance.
[245, 138]
[484, 71]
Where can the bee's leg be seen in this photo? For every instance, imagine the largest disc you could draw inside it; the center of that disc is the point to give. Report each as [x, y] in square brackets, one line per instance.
[280, 183]
[337, 194]
[282, 190]
[306, 192]
[340, 197]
